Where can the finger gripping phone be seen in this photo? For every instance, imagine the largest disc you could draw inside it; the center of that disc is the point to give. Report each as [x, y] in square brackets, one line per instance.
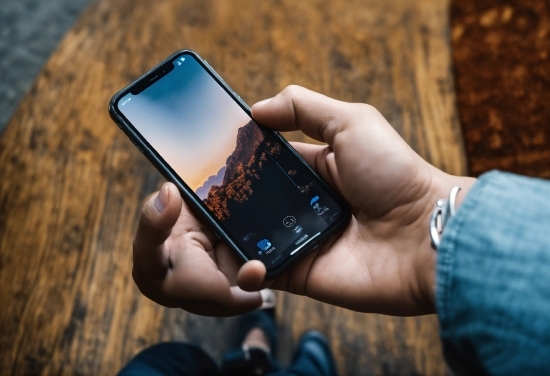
[244, 180]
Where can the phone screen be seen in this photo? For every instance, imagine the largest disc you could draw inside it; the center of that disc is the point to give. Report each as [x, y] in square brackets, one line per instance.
[261, 194]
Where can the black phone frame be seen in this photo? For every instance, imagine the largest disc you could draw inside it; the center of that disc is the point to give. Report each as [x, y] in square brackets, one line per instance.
[187, 193]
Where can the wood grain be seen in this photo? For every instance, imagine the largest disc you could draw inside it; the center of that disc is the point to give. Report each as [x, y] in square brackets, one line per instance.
[71, 184]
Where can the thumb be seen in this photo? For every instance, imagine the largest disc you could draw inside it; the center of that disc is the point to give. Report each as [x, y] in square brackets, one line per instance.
[159, 214]
[297, 108]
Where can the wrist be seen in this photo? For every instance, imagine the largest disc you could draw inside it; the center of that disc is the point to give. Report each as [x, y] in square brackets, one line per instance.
[441, 186]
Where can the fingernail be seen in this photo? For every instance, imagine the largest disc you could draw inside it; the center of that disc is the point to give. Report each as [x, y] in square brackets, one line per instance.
[161, 199]
[261, 103]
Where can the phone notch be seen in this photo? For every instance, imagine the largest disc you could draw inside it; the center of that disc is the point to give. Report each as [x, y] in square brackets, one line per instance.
[152, 77]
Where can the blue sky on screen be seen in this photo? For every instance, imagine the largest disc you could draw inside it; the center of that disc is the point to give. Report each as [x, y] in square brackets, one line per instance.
[189, 119]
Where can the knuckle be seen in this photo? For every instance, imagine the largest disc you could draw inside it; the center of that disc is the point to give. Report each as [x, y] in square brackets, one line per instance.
[291, 91]
[365, 109]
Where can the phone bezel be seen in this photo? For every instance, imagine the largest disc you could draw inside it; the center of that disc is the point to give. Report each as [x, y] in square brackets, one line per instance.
[192, 200]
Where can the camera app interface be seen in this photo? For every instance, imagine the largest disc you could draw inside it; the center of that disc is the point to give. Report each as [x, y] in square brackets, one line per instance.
[259, 192]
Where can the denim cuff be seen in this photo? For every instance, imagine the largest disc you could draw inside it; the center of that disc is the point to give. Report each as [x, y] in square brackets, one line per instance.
[493, 278]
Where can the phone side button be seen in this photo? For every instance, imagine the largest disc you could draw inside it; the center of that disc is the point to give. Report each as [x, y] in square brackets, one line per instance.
[240, 100]
[137, 146]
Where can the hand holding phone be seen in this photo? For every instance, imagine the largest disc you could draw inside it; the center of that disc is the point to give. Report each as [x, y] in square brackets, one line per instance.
[244, 181]
[382, 262]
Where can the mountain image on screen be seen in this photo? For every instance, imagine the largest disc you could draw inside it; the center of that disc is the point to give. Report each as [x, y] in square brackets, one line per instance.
[242, 169]
[217, 179]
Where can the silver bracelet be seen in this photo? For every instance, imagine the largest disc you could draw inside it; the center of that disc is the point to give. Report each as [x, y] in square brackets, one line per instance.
[443, 211]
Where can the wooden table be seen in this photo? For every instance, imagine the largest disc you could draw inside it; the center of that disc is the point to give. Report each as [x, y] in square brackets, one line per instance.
[71, 184]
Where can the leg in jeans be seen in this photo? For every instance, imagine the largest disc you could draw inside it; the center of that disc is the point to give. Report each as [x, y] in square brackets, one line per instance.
[255, 348]
[171, 358]
[313, 357]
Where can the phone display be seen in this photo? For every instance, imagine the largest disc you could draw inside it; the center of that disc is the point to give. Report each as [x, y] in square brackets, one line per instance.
[260, 194]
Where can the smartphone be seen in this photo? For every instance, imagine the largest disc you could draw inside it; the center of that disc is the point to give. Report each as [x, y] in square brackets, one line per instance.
[244, 180]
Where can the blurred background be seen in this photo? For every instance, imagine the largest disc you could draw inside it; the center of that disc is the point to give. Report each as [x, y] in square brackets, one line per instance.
[465, 83]
[29, 32]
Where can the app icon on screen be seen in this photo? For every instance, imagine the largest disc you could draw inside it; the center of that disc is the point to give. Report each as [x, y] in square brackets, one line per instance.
[289, 221]
[264, 244]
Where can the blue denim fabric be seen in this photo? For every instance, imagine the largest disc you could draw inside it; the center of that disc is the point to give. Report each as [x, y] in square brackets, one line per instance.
[171, 359]
[184, 359]
[493, 278]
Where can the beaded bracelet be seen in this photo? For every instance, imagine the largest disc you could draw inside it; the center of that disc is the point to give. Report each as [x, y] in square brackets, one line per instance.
[443, 211]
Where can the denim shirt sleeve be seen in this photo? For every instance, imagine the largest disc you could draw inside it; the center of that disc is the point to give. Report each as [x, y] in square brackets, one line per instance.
[493, 278]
